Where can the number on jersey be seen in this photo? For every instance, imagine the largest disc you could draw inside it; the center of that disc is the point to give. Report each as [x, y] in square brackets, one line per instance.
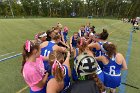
[112, 70]
[46, 53]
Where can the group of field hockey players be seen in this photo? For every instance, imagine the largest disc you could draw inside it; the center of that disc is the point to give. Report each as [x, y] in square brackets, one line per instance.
[48, 65]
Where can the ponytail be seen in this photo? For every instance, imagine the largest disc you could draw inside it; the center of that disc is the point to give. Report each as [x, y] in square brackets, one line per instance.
[57, 72]
[28, 48]
[23, 60]
[25, 55]
[98, 83]
[55, 60]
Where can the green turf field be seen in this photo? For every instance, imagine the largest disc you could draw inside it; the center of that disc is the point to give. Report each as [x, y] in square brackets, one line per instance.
[13, 33]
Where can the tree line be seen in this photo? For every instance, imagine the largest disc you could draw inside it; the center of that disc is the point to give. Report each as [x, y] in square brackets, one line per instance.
[70, 8]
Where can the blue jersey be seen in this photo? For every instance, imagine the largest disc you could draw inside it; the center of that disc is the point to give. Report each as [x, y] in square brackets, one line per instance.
[99, 53]
[87, 29]
[41, 91]
[48, 49]
[66, 80]
[74, 75]
[94, 50]
[74, 42]
[82, 33]
[100, 74]
[65, 36]
[112, 73]
[45, 52]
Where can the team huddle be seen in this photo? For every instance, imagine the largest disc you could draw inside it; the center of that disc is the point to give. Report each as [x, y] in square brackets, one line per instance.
[48, 65]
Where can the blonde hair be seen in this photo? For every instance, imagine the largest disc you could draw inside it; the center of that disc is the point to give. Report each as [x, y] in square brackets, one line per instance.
[56, 37]
[58, 74]
[56, 55]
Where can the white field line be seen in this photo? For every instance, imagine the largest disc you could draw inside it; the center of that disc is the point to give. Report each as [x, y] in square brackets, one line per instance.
[21, 90]
[10, 57]
[7, 54]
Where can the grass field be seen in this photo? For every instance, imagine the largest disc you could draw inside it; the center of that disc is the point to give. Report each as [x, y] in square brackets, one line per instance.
[14, 32]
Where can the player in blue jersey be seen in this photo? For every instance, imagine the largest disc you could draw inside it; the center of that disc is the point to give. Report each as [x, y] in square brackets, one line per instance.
[59, 82]
[113, 64]
[96, 47]
[49, 46]
[73, 41]
[87, 28]
[57, 30]
[65, 33]
[82, 47]
[81, 31]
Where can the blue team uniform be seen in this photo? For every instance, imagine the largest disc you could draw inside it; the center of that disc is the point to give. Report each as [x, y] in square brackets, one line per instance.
[99, 53]
[99, 71]
[66, 80]
[45, 52]
[112, 73]
[100, 74]
[65, 36]
[82, 33]
[94, 50]
[74, 75]
[87, 29]
[41, 91]
[74, 43]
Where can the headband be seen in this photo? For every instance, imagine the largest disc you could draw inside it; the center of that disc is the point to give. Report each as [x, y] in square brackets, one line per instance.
[43, 35]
